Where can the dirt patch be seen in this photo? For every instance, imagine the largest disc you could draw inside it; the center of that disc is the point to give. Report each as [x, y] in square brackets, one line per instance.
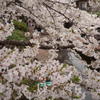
[43, 55]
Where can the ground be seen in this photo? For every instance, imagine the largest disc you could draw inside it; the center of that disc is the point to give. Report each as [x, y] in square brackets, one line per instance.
[43, 54]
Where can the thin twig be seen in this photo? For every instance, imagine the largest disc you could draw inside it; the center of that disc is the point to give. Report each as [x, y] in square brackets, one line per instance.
[51, 16]
[86, 35]
[57, 11]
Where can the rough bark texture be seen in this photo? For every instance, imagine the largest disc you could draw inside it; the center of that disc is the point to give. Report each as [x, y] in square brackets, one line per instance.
[20, 43]
[58, 47]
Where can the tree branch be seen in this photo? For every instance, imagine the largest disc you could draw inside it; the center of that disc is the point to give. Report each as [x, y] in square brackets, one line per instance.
[20, 43]
[86, 35]
[51, 16]
[58, 47]
[18, 3]
[57, 11]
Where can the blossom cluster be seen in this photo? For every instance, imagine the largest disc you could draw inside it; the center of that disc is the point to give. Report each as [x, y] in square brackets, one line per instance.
[21, 74]
[92, 82]
[60, 75]
[5, 30]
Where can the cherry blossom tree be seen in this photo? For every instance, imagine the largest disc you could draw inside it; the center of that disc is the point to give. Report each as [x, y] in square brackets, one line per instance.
[68, 27]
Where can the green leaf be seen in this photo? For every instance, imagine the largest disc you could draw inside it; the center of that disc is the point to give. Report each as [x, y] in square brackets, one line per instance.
[93, 78]
[76, 97]
[11, 66]
[18, 35]
[37, 68]
[64, 66]
[25, 81]
[3, 81]
[73, 31]
[99, 94]
[12, 51]
[5, 56]
[20, 25]
[95, 90]
[75, 79]
[31, 83]
[1, 93]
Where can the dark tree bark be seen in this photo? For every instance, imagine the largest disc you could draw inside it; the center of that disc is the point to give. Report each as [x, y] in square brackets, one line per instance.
[22, 43]
[18, 43]
[57, 47]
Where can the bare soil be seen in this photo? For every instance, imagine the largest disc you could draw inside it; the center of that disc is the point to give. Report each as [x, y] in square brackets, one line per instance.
[43, 55]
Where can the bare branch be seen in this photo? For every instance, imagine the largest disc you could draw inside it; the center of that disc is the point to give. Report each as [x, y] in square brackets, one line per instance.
[58, 47]
[57, 11]
[51, 16]
[86, 35]
[19, 4]
[20, 43]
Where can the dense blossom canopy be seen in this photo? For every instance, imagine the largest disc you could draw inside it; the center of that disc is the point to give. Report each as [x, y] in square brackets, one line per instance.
[59, 18]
